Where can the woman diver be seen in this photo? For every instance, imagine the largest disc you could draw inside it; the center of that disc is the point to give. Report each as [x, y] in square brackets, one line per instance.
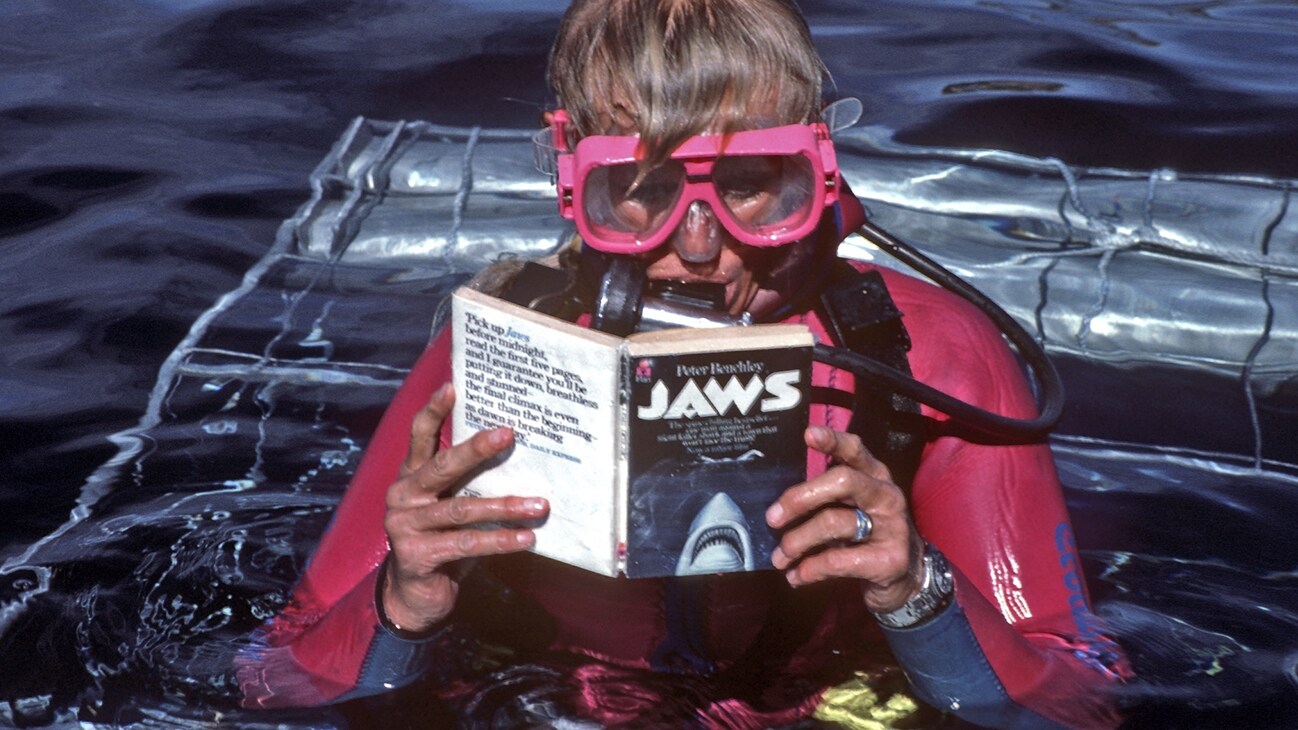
[692, 150]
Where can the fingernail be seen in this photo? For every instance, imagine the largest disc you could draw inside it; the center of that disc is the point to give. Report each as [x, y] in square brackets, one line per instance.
[774, 515]
[534, 505]
[778, 558]
[442, 392]
[500, 437]
[792, 577]
[525, 537]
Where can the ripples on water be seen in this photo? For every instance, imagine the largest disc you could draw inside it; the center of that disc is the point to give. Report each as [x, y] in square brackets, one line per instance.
[149, 150]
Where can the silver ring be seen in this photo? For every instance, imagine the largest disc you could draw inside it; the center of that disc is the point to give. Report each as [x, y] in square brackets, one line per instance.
[864, 526]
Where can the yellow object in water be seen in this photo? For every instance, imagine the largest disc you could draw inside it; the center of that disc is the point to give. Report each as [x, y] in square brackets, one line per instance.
[855, 705]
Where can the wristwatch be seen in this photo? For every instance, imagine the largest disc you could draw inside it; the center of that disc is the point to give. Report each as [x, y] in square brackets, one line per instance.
[934, 594]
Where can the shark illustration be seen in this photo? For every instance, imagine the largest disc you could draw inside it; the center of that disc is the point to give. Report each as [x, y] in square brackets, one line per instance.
[718, 541]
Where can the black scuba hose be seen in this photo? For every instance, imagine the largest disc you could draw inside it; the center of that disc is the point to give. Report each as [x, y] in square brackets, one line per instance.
[619, 309]
[1050, 399]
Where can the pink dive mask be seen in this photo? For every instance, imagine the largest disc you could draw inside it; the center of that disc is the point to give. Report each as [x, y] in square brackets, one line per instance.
[767, 187]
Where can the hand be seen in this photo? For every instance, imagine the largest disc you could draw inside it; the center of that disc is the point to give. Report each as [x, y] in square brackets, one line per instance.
[819, 520]
[432, 535]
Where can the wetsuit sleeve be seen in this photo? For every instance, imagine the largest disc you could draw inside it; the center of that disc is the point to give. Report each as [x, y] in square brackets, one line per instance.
[1019, 647]
[328, 643]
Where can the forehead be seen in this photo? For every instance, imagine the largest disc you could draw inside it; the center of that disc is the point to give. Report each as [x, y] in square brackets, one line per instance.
[621, 118]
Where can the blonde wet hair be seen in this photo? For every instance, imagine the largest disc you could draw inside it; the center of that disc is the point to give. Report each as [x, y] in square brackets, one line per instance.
[672, 69]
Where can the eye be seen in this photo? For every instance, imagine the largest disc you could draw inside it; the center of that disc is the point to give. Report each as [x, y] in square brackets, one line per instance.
[744, 178]
[655, 189]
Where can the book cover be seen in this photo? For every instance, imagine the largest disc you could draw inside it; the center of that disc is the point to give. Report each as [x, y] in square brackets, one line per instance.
[659, 452]
[715, 437]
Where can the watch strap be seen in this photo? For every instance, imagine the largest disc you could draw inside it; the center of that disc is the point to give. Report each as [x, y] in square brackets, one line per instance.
[934, 594]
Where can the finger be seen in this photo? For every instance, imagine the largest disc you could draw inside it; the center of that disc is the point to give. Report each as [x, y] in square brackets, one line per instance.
[429, 553]
[841, 485]
[448, 466]
[846, 448]
[859, 480]
[466, 512]
[450, 547]
[882, 568]
[436, 556]
[426, 427]
[832, 526]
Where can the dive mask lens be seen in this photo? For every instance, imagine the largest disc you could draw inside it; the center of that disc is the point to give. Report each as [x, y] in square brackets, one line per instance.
[769, 198]
[624, 204]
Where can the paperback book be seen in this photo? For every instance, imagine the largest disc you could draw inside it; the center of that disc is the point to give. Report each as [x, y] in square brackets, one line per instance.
[659, 452]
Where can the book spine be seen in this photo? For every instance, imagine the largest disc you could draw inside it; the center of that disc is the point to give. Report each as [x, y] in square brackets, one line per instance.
[621, 493]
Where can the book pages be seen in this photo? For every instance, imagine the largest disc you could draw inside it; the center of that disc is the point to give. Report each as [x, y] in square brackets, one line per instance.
[555, 384]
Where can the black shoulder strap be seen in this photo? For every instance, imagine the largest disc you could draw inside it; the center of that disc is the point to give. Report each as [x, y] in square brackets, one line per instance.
[864, 319]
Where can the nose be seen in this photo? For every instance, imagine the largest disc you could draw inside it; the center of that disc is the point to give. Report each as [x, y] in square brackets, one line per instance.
[698, 238]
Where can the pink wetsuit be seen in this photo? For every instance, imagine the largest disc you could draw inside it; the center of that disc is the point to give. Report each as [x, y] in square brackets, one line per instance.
[1019, 647]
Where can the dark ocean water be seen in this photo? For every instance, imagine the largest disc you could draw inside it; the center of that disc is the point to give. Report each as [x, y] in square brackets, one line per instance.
[150, 148]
